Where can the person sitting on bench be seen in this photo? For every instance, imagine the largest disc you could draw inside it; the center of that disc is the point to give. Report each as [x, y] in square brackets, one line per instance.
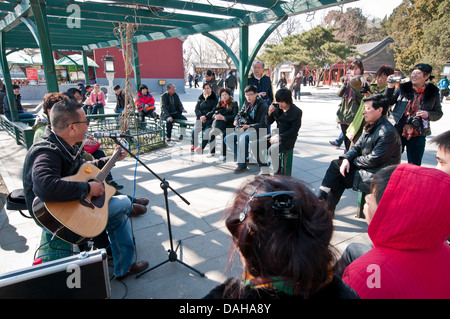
[379, 146]
[171, 109]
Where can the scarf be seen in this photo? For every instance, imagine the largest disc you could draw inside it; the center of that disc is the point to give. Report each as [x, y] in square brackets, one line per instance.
[411, 109]
[280, 283]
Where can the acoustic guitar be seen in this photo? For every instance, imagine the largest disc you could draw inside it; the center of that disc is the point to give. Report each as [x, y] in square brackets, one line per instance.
[77, 222]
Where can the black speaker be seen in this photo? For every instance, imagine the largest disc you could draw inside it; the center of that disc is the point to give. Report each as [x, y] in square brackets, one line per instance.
[83, 276]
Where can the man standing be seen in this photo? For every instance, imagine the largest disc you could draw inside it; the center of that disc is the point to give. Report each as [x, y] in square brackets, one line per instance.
[55, 155]
[248, 123]
[231, 82]
[171, 108]
[379, 146]
[296, 86]
[262, 82]
[443, 86]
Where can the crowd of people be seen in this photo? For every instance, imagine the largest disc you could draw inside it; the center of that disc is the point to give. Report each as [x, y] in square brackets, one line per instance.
[279, 226]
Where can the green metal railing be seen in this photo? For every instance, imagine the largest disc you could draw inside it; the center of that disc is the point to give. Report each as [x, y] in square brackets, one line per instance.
[149, 135]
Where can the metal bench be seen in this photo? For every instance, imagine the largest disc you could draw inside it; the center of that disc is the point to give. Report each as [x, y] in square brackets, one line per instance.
[182, 125]
[21, 131]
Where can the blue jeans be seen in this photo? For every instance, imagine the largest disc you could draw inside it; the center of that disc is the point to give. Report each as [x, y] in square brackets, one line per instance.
[237, 142]
[120, 234]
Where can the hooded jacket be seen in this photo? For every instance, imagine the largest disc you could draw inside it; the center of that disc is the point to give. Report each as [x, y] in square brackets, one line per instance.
[145, 99]
[410, 258]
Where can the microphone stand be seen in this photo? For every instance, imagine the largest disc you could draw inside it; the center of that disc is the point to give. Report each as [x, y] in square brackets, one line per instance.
[164, 186]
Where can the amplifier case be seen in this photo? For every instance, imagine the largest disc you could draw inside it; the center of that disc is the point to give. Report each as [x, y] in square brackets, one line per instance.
[83, 276]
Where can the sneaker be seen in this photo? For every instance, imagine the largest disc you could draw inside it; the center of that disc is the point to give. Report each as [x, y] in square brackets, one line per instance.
[211, 155]
[198, 150]
[333, 143]
[240, 169]
[192, 148]
[222, 158]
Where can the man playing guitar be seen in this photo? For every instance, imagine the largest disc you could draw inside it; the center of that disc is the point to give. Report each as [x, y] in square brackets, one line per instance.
[54, 157]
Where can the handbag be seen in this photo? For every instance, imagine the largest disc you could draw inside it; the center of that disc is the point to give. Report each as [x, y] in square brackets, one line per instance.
[354, 127]
[90, 146]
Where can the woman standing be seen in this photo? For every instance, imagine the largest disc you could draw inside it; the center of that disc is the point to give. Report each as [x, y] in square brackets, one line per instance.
[97, 99]
[417, 103]
[222, 116]
[205, 103]
[351, 98]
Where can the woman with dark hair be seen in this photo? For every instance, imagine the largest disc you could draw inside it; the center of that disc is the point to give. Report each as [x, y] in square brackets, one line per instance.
[289, 120]
[417, 103]
[145, 102]
[222, 117]
[351, 95]
[205, 103]
[409, 222]
[282, 232]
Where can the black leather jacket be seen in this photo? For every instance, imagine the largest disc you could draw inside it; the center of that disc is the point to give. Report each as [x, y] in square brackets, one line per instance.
[379, 146]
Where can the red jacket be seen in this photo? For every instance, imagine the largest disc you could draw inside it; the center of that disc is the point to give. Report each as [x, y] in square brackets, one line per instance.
[410, 258]
[145, 99]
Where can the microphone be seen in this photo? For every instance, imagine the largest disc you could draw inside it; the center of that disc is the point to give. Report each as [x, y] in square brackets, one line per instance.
[110, 135]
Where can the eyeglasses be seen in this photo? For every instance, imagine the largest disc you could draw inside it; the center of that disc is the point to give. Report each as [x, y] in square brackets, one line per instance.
[86, 122]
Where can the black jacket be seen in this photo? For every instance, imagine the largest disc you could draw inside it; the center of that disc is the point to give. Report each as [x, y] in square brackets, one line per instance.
[228, 114]
[7, 109]
[379, 146]
[257, 118]
[204, 106]
[430, 103]
[168, 109]
[46, 162]
[288, 124]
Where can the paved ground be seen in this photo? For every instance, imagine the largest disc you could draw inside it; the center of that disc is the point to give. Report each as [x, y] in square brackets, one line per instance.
[208, 185]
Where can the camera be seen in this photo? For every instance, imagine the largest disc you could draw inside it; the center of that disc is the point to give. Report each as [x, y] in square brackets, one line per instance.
[365, 89]
[395, 79]
[416, 121]
[277, 105]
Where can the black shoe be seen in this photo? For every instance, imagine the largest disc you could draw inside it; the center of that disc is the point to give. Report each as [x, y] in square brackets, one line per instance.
[115, 185]
[240, 169]
[322, 195]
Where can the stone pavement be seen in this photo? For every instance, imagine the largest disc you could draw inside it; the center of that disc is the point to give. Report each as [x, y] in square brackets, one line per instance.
[208, 185]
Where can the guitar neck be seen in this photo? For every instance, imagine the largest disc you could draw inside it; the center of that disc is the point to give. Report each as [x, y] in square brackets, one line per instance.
[109, 165]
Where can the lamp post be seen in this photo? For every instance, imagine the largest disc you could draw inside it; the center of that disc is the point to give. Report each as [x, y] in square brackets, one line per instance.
[109, 71]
